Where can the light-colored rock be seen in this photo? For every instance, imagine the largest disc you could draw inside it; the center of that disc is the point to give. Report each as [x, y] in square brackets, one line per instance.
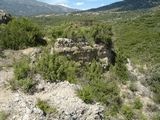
[22, 107]
[4, 17]
[34, 54]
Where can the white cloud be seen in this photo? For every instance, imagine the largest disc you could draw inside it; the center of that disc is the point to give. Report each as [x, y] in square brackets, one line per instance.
[57, 1]
[79, 3]
[102, 4]
[64, 5]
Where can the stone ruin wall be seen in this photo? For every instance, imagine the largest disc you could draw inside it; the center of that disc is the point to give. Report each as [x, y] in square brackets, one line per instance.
[80, 51]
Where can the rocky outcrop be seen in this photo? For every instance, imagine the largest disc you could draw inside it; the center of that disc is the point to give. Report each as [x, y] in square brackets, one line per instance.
[4, 17]
[80, 51]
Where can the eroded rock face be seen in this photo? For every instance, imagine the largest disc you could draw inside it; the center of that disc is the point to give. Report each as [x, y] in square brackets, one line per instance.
[4, 17]
[80, 51]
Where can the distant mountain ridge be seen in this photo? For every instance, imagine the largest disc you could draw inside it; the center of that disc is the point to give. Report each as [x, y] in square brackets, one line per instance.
[31, 7]
[128, 5]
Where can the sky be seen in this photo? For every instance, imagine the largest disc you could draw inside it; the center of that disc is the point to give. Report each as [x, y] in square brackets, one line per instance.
[80, 4]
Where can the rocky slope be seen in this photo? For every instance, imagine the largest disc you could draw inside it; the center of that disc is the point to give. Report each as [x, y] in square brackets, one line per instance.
[62, 96]
[31, 7]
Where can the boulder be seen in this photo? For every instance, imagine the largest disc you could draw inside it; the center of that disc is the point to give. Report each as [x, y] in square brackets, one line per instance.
[4, 17]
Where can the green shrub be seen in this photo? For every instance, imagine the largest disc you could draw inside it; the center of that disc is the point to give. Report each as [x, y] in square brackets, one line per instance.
[153, 80]
[127, 112]
[25, 84]
[1, 68]
[43, 105]
[132, 87]
[86, 94]
[120, 67]
[22, 76]
[157, 116]
[152, 107]
[105, 91]
[21, 69]
[20, 34]
[96, 33]
[101, 33]
[54, 67]
[93, 71]
[137, 104]
[3, 115]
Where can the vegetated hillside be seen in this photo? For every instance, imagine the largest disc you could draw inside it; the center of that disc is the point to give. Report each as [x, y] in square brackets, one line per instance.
[108, 16]
[31, 7]
[128, 5]
[124, 92]
[139, 41]
[139, 38]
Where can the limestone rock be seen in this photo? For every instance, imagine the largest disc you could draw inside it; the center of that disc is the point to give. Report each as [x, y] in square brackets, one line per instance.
[4, 17]
[21, 107]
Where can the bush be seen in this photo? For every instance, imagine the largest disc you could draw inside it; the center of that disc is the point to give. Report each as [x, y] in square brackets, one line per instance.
[86, 94]
[157, 116]
[3, 115]
[153, 80]
[54, 67]
[101, 33]
[93, 71]
[137, 104]
[127, 112]
[96, 33]
[20, 34]
[98, 89]
[22, 76]
[120, 67]
[43, 105]
[21, 69]
[132, 87]
[152, 108]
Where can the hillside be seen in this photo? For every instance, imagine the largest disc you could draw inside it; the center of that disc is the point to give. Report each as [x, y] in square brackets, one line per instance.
[128, 5]
[31, 7]
[94, 65]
